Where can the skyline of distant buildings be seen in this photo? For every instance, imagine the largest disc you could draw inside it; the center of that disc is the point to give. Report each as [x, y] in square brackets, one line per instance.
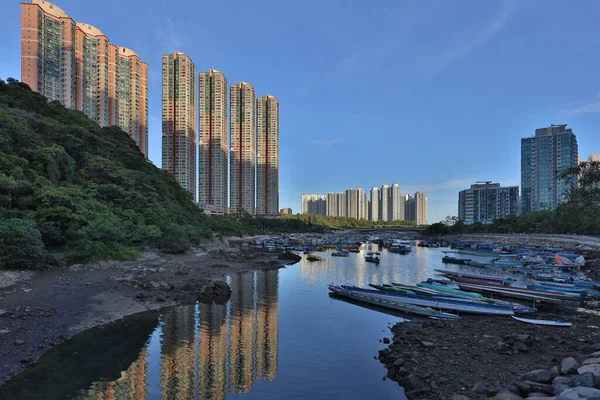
[385, 204]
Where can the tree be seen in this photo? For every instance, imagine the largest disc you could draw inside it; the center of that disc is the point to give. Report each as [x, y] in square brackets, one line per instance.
[21, 244]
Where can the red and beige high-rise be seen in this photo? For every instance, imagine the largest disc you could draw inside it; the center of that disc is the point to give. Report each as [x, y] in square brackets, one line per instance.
[214, 142]
[75, 64]
[242, 155]
[267, 180]
[179, 119]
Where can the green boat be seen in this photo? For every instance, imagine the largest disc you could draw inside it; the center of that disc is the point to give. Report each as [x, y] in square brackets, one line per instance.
[388, 288]
[442, 288]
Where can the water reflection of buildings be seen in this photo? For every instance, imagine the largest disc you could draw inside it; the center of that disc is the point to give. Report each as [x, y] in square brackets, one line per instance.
[209, 350]
[235, 344]
[131, 384]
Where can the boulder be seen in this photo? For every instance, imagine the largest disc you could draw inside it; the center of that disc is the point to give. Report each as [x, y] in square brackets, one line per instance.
[554, 372]
[459, 397]
[501, 347]
[538, 375]
[218, 292]
[506, 395]
[537, 387]
[569, 366]
[289, 256]
[311, 257]
[524, 338]
[520, 346]
[594, 355]
[479, 388]
[593, 368]
[591, 361]
[539, 396]
[579, 393]
[583, 380]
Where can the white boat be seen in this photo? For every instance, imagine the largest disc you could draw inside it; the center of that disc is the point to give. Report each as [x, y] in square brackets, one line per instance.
[543, 322]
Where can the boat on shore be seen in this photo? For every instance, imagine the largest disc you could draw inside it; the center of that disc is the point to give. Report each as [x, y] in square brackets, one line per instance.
[454, 260]
[391, 303]
[448, 304]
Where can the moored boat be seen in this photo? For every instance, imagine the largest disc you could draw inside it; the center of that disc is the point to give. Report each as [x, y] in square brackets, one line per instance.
[448, 304]
[372, 257]
[391, 303]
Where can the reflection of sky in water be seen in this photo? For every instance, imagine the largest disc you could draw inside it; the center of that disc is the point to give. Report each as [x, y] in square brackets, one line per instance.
[279, 336]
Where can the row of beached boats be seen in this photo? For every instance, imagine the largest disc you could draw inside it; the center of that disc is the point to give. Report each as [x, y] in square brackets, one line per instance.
[459, 292]
[522, 261]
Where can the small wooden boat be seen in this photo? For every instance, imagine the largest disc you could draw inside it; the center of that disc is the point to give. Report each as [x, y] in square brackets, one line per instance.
[543, 322]
[372, 257]
[454, 260]
[340, 254]
[408, 308]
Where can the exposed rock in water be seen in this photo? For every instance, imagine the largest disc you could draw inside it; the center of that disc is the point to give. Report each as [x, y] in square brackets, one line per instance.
[218, 292]
[289, 256]
[312, 257]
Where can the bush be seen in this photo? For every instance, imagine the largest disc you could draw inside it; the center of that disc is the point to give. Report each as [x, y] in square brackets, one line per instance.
[174, 240]
[21, 244]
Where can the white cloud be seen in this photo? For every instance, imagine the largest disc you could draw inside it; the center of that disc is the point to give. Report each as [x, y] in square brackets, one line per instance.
[464, 47]
[592, 107]
[329, 142]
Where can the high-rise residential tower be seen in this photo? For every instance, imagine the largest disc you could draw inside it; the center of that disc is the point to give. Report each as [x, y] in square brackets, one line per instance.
[179, 119]
[214, 142]
[486, 201]
[341, 203]
[374, 204]
[420, 208]
[128, 96]
[243, 148]
[352, 203]
[74, 63]
[552, 149]
[267, 179]
[332, 206]
[384, 203]
[396, 210]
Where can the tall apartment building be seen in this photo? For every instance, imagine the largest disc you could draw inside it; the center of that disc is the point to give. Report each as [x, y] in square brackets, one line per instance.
[374, 205]
[75, 63]
[352, 203]
[552, 149]
[594, 157]
[384, 203]
[486, 201]
[179, 119]
[362, 204]
[332, 205]
[314, 204]
[396, 209]
[420, 208]
[243, 148]
[341, 203]
[285, 211]
[267, 179]
[214, 141]
[410, 208]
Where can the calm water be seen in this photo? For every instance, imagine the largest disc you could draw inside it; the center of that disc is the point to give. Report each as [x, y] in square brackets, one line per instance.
[280, 335]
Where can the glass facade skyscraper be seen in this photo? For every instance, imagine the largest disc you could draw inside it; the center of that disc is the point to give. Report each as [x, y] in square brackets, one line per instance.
[551, 150]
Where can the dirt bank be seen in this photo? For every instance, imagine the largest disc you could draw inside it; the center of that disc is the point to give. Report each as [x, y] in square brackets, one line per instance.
[479, 356]
[40, 310]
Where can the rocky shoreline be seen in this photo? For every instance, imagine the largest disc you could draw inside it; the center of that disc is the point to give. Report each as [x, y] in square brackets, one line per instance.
[41, 310]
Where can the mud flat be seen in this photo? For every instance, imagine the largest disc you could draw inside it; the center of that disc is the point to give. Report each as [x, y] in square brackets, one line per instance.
[41, 310]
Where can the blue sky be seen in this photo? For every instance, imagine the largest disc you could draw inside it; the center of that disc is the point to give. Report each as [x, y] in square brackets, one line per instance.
[433, 94]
